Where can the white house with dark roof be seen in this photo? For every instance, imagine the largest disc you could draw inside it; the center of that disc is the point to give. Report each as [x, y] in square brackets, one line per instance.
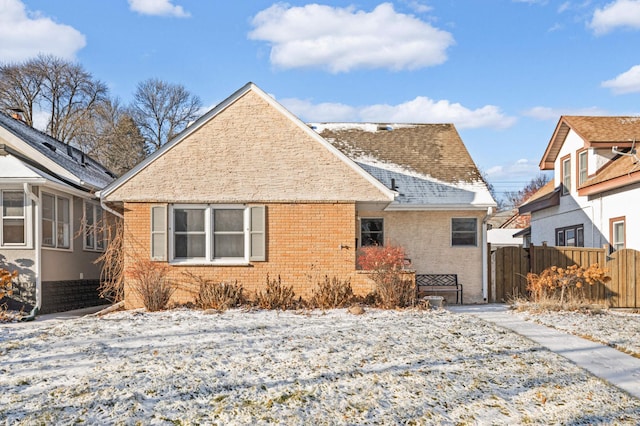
[49, 219]
[594, 197]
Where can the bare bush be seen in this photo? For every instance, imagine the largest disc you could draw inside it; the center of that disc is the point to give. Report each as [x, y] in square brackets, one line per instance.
[149, 280]
[112, 260]
[217, 295]
[332, 293]
[276, 296]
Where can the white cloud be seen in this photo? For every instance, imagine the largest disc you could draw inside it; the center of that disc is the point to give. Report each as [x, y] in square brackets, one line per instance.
[547, 113]
[158, 8]
[627, 82]
[419, 110]
[343, 39]
[620, 13]
[520, 169]
[26, 34]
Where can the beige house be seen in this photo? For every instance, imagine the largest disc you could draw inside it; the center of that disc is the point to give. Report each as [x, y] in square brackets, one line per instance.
[249, 190]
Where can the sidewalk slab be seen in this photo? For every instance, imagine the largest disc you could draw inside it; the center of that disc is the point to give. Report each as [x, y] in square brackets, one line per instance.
[619, 369]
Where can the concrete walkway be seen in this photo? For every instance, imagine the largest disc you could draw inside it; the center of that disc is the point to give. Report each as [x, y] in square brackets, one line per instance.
[616, 367]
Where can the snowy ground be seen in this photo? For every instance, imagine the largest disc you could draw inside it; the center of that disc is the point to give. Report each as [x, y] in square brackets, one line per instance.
[259, 367]
[617, 329]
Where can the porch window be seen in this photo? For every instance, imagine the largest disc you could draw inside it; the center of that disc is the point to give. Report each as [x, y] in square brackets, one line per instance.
[570, 236]
[212, 234]
[371, 232]
[617, 231]
[94, 227]
[13, 218]
[56, 221]
[464, 231]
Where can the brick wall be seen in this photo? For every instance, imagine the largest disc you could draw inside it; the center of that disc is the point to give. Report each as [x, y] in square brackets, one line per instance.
[303, 245]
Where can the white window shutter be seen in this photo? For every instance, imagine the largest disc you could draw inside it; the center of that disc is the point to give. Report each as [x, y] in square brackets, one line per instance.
[159, 233]
[258, 234]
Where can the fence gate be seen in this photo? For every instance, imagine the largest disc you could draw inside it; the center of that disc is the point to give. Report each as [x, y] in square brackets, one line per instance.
[510, 266]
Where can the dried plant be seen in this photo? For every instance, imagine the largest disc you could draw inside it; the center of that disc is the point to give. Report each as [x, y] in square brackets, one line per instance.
[149, 280]
[6, 289]
[332, 293]
[386, 263]
[275, 296]
[217, 295]
[564, 284]
[112, 260]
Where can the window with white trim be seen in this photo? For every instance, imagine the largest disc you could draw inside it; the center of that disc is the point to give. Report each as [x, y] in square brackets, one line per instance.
[94, 229]
[464, 231]
[13, 218]
[210, 233]
[582, 167]
[617, 233]
[566, 176]
[56, 221]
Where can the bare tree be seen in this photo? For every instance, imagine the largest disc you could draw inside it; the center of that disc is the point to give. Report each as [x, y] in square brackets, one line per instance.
[62, 90]
[111, 136]
[20, 88]
[515, 198]
[161, 110]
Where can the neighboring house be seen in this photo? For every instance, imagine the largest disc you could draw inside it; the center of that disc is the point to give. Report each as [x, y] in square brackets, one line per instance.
[592, 200]
[249, 190]
[49, 208]
[505, 227]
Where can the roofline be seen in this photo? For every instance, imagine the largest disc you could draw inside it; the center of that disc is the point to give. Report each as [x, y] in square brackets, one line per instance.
[438, 207]
[545, 163]
[31, 152]
[220, 108]
[613, 183]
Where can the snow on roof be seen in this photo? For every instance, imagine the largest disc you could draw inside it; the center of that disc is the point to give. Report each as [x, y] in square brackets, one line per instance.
[90, 172]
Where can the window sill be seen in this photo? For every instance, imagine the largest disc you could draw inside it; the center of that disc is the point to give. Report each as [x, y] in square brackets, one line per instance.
[209, 263]
[65, 250]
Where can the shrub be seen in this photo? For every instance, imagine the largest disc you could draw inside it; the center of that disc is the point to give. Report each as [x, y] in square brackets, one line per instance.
[150, 282]
[564, 285]
[6, 289]
[275, 296]
[393, 290]
[217, 295]
[332, 293]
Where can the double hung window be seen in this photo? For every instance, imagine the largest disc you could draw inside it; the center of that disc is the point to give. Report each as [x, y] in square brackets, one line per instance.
[13, 218]
[464, 231]
[94, 227]
[209, 233]
[56, 221]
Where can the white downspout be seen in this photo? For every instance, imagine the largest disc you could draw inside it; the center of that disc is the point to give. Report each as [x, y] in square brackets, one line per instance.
[110, 210]
[485, 258]
[36, 244]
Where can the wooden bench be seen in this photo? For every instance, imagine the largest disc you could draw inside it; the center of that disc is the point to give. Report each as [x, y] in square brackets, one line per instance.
[439, 283]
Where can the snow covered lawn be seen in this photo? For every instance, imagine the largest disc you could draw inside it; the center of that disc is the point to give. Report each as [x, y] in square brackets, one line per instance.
[259, 367]
[617, 329]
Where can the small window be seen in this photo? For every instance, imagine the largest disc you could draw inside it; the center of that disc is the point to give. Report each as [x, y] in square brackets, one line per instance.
[582, 167]
[566, 176]
[570, 236]
[189, 233]
[464, 232]
[371, 232]
[94, 227]
[56, 221]
[13, 218]
[617, 233]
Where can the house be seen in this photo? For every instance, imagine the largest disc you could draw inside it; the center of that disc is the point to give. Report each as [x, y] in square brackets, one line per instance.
[249, 190]
[504, 227]
[592, 200]
[48, 219]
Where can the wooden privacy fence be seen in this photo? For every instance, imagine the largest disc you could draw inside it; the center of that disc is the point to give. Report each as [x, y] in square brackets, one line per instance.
[510, 265]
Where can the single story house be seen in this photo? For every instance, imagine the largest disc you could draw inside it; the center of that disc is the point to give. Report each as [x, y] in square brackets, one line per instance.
[50, 230]
[592, 200]
[249, 190]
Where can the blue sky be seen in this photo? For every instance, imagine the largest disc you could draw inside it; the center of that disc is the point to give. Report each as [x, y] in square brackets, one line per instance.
[502, 71]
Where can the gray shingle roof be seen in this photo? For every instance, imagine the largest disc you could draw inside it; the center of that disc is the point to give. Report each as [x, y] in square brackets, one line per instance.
[89, 171]
[428, 163]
